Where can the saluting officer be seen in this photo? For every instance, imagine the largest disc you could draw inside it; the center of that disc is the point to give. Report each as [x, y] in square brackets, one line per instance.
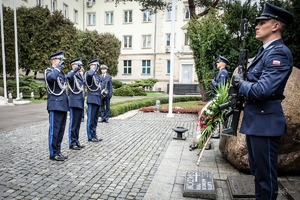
[93, 84]
[76, 100]
[106, 93]
[263, 121]
[57, 104]
[222, 75]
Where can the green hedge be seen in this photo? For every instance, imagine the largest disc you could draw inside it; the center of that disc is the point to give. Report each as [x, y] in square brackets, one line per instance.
[119, 108]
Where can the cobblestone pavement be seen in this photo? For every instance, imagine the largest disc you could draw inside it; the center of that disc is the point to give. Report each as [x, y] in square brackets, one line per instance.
[121, 166]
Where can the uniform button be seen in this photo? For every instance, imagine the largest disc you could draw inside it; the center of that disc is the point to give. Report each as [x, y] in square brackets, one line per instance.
[262, 111]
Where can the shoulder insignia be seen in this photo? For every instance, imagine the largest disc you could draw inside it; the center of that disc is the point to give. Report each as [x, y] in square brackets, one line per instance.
[278, 46]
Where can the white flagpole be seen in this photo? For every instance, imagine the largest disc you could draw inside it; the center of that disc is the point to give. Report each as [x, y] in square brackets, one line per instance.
[170, 113]
[16, 51]
[3, 51]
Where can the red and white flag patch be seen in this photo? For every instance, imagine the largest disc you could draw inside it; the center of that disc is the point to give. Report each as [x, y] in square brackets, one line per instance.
[276, 62]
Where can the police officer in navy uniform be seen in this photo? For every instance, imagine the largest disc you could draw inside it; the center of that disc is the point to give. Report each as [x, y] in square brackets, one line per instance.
[222, 75]
[76, 102]
[57, 104]
[264, 121]
[219, 80]
[93, 83]
[106, 93]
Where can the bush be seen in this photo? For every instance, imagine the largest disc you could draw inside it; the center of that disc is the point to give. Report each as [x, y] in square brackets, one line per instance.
[119, 108]
[139, 91]
[116, 84]
[27, 85]
[125, 90]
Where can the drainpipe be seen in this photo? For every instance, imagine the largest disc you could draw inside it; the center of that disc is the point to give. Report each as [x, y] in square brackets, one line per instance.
[155, 23]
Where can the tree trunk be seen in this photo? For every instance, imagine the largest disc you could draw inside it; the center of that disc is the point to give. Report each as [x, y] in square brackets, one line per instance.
[27, 72]
[203, 92]
[192, 8]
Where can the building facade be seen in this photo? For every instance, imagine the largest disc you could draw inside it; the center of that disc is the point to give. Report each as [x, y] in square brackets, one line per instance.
[145, 36]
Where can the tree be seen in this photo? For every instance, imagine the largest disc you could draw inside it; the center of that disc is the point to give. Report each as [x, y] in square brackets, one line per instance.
[207, 38]
[105, 46]
[8, 20]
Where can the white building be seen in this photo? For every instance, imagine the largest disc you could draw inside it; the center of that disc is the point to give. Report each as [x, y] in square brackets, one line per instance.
[145, 51]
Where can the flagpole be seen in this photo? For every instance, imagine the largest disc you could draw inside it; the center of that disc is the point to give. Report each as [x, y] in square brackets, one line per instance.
[170, 113]
[16, 51]
[3, 51]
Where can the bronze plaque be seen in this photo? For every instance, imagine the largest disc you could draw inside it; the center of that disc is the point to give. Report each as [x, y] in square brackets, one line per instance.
[241, 186]
[199, 184]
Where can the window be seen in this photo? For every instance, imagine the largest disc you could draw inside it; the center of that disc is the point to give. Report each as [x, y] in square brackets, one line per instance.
[76, 16]
[169, 13]
[39, 2]
[109, 17]
[65, 10]
[53, 5]
[146, 66]
[187, 13]
[127, 41]
[91, 19]
[128, 16]
[186, 40]
[146, 41]
[147, 16]
[127, 66]
[168, 66]
[168, 40]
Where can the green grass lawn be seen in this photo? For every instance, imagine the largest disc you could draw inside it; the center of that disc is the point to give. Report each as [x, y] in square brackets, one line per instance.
[36, 100]
[155, 94]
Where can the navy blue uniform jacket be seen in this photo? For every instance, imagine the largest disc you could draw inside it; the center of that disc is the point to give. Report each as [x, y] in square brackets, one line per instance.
[76, 100]
[106, 82]
[221, 78]
[54, 102]
[94, 93]
[266, 75]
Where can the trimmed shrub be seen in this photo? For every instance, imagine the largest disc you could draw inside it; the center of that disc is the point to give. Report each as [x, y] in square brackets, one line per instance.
[116, 84]
[125, 90]
[139, 91]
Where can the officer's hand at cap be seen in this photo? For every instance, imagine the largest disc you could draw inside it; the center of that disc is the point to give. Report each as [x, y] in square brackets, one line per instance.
[237, 80]
[77, 68]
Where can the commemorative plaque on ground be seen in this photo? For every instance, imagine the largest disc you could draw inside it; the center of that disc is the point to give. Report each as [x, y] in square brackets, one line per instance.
[199, 185]
[241, 186]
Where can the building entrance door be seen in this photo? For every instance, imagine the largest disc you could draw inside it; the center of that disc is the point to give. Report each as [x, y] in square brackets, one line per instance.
[187, 73]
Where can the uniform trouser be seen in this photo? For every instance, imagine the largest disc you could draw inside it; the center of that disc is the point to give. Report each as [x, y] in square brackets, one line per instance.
[105, 108]
[92, 120]
[57, 124]
[263, 156]
[74, 126]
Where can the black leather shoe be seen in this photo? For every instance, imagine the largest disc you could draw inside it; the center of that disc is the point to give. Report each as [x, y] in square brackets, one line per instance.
[65, 157]
[57, 158]
[93, 140]
[74, 147]
[106, 121]
[80, 146]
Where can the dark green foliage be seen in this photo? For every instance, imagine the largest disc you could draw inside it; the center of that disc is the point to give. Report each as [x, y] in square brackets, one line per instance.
[116, 84]
[125, 90]
[27, 84]
[119, 108]
[137, 91]
[150, 82]
[105, 46]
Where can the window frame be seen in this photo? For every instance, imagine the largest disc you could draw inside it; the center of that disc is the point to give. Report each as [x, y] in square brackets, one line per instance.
[148, 15]
[127, 21]
[168, 67]
[128, 39]
[65, 10]
[94, 18]
[146, 70]
[75, 16]
[111, 17]
[127, 67]
[145, 42]
[53, 5]
[187, 10]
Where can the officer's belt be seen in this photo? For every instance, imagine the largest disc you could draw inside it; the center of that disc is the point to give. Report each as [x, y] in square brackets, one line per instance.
[274, 97]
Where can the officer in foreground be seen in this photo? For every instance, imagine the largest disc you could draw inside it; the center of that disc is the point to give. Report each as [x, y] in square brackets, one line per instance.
[106, 93]
[57, 104]
[220, 79]
[93, 83]
[263, 121]
[76, 102]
